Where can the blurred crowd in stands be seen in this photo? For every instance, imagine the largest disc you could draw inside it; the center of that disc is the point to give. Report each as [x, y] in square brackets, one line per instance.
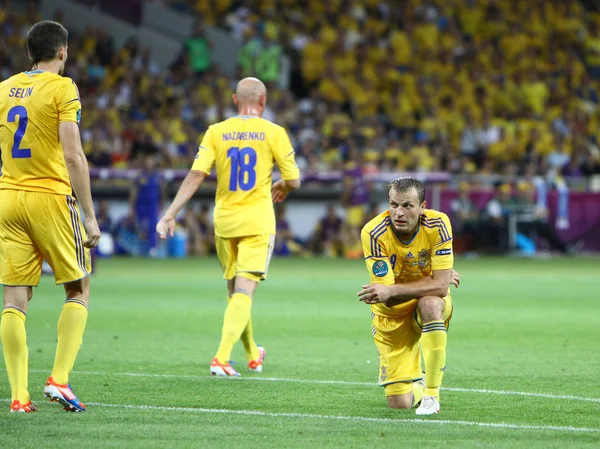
[463, 86]
[483, 228]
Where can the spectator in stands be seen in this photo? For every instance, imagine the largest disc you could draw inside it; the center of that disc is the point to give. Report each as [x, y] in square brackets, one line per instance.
[145, 201]
[142, 147]
[207, 228]
[494, 226]
[200, 235]
[590, 164]
[592, 51]
[268, 60]
[469, 142]
[99, 155]
[103, 215]
[198, 47]
[465, 219]
[127, 239]
[355, 197]
[104, 47]
[372, 212]
[556, 162]
[105, 224]
[249, 53]
[327, 238]
[285, 243]
[539, 227]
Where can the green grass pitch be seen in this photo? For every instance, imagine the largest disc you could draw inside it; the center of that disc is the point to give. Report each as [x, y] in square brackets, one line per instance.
[523, 361]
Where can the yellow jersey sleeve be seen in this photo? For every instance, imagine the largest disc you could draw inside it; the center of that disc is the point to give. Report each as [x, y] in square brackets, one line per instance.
[376, 258]
[205, 158]
[442, 257]
[68, 102]
[284, 156]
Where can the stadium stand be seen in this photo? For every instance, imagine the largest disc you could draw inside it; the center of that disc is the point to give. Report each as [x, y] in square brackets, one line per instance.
[477, 88]
[418, 87]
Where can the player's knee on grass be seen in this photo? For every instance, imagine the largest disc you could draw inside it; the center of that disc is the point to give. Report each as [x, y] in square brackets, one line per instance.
[78, 290]
[399, 395]
[17, 297]
[431, 308]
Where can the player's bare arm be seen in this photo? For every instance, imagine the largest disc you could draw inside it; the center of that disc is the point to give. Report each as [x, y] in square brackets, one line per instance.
[79, 174]
[281, 188]
[189, 186]
[435, 285]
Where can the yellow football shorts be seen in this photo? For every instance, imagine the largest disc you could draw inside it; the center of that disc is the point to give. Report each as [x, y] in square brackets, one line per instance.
[397, 340]
[247, 256]
[35, 226]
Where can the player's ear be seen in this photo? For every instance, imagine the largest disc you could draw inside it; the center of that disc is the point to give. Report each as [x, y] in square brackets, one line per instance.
[423, 206]
[62, 54]
[234, 98]
[262, 100]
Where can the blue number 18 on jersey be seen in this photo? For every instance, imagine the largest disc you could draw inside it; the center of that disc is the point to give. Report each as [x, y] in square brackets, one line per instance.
[243, 165]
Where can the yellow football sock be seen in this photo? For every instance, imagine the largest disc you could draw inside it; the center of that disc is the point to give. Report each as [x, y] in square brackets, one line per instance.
[433, 345]
[249, 344]
[417, 390]
[71, 326]
[248, 340]
[14, 344]
[236, 319]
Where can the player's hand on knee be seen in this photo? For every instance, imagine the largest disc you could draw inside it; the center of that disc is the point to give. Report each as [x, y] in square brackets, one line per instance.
[454, 278]
[374, 293]
[166, 225]
[93, 232]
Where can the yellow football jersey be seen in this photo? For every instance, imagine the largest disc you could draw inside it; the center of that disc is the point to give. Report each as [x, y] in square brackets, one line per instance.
[32, 104]
[393, 261]
[244, 149]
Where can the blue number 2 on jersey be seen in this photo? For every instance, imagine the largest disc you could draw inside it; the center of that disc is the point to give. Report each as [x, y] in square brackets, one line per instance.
[243, 164]
[21, 112]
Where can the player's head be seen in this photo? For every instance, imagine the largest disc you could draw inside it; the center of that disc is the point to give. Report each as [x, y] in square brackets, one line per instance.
[407, 203]
[250, 95]
[150, 162]
[47, 42]
[331, 211]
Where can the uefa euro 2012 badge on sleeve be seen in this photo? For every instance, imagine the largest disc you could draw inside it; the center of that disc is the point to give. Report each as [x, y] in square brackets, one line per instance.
[380, 268]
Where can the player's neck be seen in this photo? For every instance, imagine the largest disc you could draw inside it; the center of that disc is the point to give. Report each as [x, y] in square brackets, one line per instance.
[407, 236]
[48, 66]
[248, 109]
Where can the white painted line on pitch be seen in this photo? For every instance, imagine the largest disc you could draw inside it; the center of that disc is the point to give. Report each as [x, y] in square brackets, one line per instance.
[223, 411]
[328, 382]
[523, 393]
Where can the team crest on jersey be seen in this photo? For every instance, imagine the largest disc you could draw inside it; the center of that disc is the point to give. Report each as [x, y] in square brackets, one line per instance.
[424, 257]
[380, 268]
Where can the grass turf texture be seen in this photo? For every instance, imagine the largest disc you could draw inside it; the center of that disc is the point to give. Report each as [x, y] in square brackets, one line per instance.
[519, 326]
